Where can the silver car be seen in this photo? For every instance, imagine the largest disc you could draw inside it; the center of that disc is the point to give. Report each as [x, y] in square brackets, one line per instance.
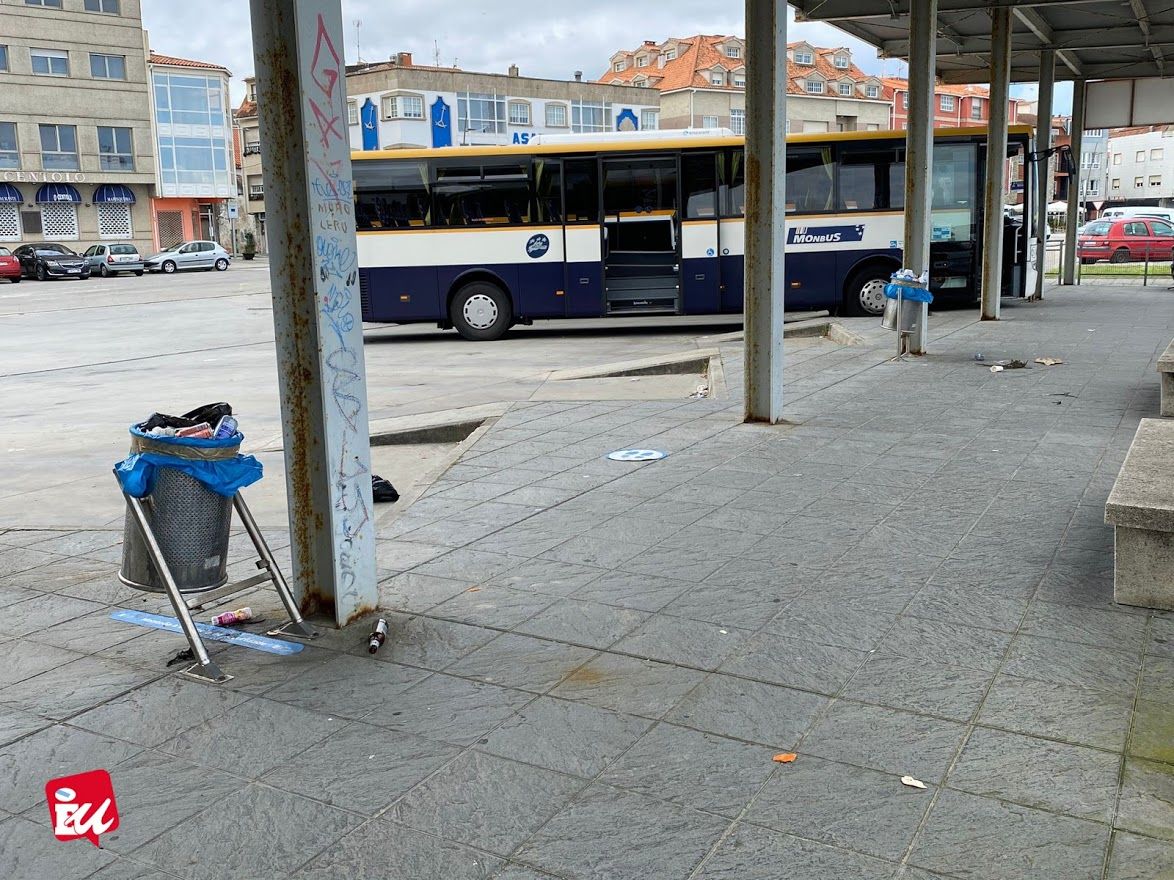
[110, 259]
[189, 255]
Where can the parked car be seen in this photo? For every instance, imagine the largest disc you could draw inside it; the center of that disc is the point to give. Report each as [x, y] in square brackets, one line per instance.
[110, 259]
[1166, 214]
[189, 255]
[1125, 240]
[48, 259]
[9, 266]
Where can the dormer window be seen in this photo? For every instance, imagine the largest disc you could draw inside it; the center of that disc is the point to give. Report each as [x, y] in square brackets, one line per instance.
[872, 91]
[733, 51]
[717, 79]
[841, 61]
[618, 66]
[641, 60]
[669, 54]
[947, 102]
[805, 57]
[814, 87]
[739, 80]
[846, 90]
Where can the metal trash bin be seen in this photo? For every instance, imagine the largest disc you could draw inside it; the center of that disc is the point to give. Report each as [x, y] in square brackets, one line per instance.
[908, 318]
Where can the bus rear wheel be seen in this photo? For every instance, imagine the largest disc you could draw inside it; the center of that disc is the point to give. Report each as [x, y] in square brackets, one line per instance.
[481, 311]
[864, 294]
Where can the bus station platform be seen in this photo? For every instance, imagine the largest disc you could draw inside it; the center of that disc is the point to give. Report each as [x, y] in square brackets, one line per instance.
[601, 669]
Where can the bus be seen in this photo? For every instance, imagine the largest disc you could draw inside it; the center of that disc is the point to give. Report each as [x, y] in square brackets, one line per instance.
[482, 238]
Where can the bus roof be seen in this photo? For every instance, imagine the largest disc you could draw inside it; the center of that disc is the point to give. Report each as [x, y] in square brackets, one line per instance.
[652, 145]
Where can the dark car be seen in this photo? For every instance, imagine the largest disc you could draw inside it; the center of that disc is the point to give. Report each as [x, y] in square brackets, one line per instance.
[48, 259]
[1125, 240]
[9, 266]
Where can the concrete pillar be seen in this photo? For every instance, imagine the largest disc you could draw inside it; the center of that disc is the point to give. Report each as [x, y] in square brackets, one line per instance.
[996, 163]
[923, 16]
[1043, 143]
[298, 51]
[1074, 194]
[766, 162]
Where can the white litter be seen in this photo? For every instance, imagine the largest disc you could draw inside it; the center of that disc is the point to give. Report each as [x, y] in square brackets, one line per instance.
[996, 369]
[911, 782]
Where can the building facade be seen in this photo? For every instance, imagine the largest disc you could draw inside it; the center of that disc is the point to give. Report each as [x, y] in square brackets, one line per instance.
[193, 133]
[702, 84]
[1141, 166]
[954, 106]
[77, 159]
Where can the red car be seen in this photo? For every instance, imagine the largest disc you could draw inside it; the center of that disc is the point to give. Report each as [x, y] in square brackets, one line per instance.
[1125, 240]
[9, 266]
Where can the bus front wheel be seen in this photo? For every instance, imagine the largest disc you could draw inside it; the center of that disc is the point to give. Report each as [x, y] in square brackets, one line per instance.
[481, 311]
[864, 294]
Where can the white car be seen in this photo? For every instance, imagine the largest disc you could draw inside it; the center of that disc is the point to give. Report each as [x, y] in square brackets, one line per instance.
[189, 255]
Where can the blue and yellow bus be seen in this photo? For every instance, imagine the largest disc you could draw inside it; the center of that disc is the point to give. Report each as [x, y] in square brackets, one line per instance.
[481, 238]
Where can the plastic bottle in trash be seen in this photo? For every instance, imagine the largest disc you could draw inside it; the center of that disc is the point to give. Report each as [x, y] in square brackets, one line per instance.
[225, 428]
[229, 618]
[378, 636]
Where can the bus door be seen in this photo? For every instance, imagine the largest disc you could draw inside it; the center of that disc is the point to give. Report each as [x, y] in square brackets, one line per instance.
[700, 246]
[1018, 250]
[582, 237]
[641, 236]
[956, 219]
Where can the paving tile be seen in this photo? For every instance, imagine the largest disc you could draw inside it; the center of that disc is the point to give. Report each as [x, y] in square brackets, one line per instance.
[1073, 780]
[1140, 858]
[565, 736]
[589, 624]
[684, 642]
[831, 623]
[906, 683]
[1109, 629]
[448, 709]
[346, 686]
[1147, 799]
[841, 805]
[521, 872]
[727, 605]
[1073, 714]
[1015, 841]
[485, 801]
[674, 562]
[478, 566]
[771, 855]
[73, 687]
[522, 662]
[1157, 681]
[967, 605]
[21, 659]
[14, 560]
[750, 710]
[493, 606]
[1151, 734]
[414, 592]
[16, 723]
[427, 642]
[885, 739]
[693, 769]
[124, 869]
[599, 552]
[607, 834]
[29, 849]
[159, 710]
[28, 763]
[940, 642]
[625, 684]
[41, 612]
[383, 849]
[1162, 636]
[1073, 664]
[795, 662]
[256, 831]
[548, 576]
[628, 590]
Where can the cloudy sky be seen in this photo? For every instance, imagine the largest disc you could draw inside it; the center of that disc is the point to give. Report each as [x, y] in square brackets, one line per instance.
[552, 39]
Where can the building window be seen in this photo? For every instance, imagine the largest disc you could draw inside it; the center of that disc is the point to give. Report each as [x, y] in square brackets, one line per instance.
[642, 61]
[194, 161]
[9, 154]
[50, 62]
[519, 113]
[872, 91]
[52, 4]
[556, 115]
[59, 147]
[1116, 158]
[717, 79]
[814, 87]
[618, 66]
[114, 221]
[904, 100]
[256, 187]
[649, 120]
[805, 58]
[4, 59]
[1155, 180]
[669, 54]
[352, 113]
[976, 108]
[709, 122]
[403, 107]
[481, 112]
[846, 89]
[1116, 183]
[59, 220]
[107, 66]
[1140, 157]
[738, 121]
[588, 116]
[1157, 154]
[733, 51]
[110, 7]
[740, 80]
[115, 149]
[841, 61]
[1138, 182]
[946, 102]
[9, 221]
[252, 142]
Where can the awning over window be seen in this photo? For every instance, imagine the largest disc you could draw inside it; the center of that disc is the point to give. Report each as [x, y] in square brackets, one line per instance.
[9, 193]
[58, 192]
[114, 194]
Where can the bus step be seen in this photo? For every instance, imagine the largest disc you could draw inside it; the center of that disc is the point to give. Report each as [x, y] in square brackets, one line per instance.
[641, 284]
[624, 270]
[643, 307]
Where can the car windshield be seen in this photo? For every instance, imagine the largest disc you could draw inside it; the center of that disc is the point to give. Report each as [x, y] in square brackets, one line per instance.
[174, 247]
[5, 252]
[122, 249]
[55, 252]
[1096, 229]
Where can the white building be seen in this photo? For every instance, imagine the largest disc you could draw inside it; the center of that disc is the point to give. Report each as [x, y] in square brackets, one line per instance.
[1141, 166]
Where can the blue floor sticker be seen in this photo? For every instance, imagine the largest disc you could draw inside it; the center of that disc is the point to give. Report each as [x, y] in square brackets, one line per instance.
[637, 455]
[216, 633]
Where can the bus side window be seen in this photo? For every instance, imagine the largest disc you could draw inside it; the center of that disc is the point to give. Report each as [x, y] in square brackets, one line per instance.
[581, 182]
[809, 180]
[548, 191]
[860, 178]
[391, 195]
[697, 185]
[484, 203]
[731, 167]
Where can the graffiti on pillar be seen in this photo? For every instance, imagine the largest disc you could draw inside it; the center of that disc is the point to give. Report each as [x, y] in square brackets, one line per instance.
[336, 266]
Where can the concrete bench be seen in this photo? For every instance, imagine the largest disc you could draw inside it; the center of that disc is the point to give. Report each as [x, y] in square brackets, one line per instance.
[1141, 510]
[1166, 369]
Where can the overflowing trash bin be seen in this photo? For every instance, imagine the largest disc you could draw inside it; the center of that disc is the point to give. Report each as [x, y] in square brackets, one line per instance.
[907, 300]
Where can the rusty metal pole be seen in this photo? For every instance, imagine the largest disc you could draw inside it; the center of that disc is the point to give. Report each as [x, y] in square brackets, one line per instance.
[996, 164]
[1072, 214]
[301, 91]
[923, 20]
[1043, 143]
[766, 162]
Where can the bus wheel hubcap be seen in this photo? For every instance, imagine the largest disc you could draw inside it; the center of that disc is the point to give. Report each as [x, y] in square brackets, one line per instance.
[872, 296]
[480, 311]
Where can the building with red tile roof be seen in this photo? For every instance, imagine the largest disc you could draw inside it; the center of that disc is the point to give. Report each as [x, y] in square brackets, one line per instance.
[954, 106]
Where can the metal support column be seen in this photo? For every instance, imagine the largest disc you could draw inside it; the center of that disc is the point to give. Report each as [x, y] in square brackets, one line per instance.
[766, 162]
[1043, 143]
[996, 164]
[1072, 218]
[297, 48]
[923, 19]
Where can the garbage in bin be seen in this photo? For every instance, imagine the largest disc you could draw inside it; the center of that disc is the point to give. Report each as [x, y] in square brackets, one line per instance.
[215, 462]
[909, 293]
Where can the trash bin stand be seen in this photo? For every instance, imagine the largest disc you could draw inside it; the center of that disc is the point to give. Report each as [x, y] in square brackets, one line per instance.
[205, 668]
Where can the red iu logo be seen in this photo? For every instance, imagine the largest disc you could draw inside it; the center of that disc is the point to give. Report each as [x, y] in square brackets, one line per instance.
[82, 806]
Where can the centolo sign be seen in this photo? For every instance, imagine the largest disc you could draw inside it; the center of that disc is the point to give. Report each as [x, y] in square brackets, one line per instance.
[43, 177]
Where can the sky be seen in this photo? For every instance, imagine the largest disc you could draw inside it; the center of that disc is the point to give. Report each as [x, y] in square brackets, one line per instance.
[483, 36]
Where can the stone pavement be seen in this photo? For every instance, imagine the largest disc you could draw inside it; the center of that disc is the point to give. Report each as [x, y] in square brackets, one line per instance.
[592, 664]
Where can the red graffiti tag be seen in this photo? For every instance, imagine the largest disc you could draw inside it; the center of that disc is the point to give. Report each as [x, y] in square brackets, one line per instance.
[324, 70]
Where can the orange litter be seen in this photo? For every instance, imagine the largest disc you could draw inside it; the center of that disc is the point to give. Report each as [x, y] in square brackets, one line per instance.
[785, 757]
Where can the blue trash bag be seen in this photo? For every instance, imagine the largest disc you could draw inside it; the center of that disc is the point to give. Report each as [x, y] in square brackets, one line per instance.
[224, 476]
[907, 293]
